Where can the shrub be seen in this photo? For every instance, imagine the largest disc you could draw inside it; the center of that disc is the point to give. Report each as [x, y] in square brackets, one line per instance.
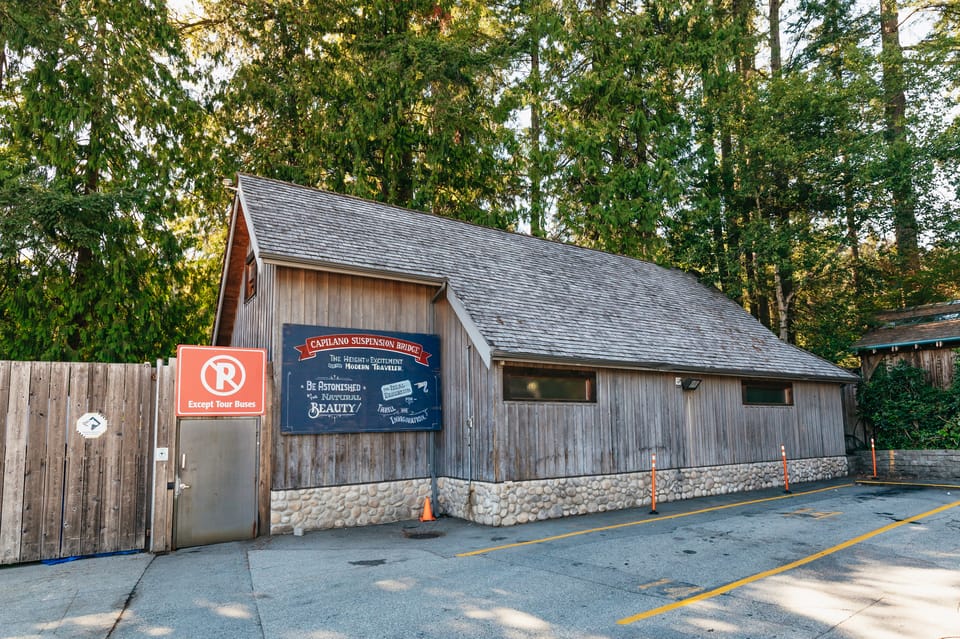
[905, 411]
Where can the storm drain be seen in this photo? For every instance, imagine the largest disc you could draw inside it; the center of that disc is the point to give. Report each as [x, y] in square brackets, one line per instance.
[368, 562]
[420, 533]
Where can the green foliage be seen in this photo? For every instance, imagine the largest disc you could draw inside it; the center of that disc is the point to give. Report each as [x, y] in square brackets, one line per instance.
[662, 130]
[392, 100]
[102, 152]
[619, 126]
[907, 412]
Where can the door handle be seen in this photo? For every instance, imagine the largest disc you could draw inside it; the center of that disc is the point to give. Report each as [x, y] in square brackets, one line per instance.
[182, 486]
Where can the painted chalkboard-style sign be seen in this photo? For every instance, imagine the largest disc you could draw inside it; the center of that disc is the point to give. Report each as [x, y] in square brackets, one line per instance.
[342, 380]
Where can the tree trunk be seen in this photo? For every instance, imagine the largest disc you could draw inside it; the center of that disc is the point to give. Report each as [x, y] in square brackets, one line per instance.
[775, 60]
[535, 159]
[784, 302]
[778, 211]
[899, 160]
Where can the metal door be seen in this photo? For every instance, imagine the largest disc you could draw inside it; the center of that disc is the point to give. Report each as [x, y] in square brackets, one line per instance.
[215, 493]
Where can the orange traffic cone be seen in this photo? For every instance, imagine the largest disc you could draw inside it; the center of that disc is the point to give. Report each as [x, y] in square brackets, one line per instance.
[427, 514]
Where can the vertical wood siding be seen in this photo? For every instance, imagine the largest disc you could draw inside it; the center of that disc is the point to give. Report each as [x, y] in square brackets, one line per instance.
[254, 324]
[328, 299]
[638, 414]
[938, 363]
[458, 444]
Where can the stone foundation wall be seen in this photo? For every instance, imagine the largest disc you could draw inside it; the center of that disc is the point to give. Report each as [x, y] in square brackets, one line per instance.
[343, 506]
[510, 503]
[910, 464]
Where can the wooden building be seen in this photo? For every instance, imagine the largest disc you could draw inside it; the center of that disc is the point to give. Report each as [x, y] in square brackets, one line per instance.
[923, 336]
[563, 370]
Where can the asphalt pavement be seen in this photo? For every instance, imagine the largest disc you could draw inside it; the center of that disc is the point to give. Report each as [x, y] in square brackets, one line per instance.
[832, 560]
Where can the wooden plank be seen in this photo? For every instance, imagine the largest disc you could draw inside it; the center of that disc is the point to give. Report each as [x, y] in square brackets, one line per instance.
[147, 386]
[301, 449]
[161, 526]
[91, 512]
[17, 423]
[5, 366]
[35, 463]
[321, 308]
[497, 417]
[340, 311]
[74, 466]
[356, 315]
[132, 457]
[450, 456]
[265, 452]
[52, 524]
[114, 409]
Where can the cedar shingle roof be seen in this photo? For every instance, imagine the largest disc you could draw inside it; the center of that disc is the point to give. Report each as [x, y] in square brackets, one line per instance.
[527, 296]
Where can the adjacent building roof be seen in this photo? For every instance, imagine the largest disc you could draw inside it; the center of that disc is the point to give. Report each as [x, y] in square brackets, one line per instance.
[931, 325]
[527, 297]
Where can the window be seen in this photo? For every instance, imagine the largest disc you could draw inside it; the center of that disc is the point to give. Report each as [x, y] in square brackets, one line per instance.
[549, 385]
[767, 393]
[250, 278]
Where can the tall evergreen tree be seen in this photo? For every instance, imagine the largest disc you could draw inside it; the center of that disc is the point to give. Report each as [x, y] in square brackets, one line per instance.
[623, 133]
[394, 100]
[95, 124]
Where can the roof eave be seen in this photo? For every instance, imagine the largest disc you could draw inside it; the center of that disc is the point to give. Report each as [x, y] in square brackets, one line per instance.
[360, 271]
[907, 344]
[224, 268]
[665, 367]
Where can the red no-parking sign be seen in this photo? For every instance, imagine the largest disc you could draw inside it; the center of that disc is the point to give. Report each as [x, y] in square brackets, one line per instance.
[217, 381]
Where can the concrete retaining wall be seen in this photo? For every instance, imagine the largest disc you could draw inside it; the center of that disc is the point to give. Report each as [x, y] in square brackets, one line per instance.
[909, 464]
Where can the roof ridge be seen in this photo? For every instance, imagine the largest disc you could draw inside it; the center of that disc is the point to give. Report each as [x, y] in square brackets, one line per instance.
[476, 225]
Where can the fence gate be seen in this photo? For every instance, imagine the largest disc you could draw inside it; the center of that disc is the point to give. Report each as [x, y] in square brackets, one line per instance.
[75, 454]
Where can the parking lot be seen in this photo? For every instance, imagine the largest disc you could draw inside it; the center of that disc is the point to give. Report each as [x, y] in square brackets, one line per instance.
[830, 560]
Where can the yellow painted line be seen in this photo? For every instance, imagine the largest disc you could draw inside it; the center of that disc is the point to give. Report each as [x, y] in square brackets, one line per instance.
[588, 531]
[776, 571]
[680, 591]
[903, 483]
[813, 514]
[658, 582]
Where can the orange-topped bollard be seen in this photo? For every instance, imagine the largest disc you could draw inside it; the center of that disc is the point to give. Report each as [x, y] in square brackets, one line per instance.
[786, 475]
[873, 453]
[653, 485]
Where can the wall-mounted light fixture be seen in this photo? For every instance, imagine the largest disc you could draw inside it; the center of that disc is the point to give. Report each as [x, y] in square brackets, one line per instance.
[690, 383]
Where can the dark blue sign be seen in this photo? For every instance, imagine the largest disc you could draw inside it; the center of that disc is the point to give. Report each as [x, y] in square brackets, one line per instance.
[342, 380]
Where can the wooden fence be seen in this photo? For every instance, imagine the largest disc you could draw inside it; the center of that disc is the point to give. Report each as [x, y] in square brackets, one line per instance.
[63, 494]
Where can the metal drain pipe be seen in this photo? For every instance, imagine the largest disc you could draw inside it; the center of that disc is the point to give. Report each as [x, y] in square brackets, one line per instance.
[469, 406]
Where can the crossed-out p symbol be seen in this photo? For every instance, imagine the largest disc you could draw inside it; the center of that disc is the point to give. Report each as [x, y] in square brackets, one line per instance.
[223, 375]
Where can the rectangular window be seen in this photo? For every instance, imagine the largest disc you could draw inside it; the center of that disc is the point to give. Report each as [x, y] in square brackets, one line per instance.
[549, 385]
[250, 278]
[767, 393]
